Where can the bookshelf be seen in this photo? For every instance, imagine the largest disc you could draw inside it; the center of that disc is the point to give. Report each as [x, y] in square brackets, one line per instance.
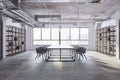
[15, 40]
[106, 40]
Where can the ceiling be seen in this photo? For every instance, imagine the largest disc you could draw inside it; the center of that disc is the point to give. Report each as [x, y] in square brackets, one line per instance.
[71, 9]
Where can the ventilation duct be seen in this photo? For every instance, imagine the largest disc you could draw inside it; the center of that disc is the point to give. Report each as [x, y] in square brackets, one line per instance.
[11, 9]
[10, 4]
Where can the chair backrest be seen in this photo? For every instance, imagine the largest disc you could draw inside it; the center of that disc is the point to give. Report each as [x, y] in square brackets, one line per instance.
[40, 50]
[45, 49]
[46, 46]
[81, 50]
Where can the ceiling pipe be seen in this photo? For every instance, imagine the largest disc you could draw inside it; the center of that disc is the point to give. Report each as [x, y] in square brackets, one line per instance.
[13, 16]
[27, 19]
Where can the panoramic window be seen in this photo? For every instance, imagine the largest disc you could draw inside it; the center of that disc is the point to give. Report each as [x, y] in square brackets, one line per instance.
[46, 34]
[36, 33]
[74, 33]
[84, 33]
[55, 33]
[64, 34]
[69, 36]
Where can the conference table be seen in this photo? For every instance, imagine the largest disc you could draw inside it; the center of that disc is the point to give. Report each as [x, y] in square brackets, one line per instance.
[60, 48]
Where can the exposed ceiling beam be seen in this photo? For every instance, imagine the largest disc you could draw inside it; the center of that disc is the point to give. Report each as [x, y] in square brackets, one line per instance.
[71, 22]
[80, 1]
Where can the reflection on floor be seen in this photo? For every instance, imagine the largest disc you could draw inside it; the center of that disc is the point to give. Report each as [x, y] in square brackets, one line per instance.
[24, 67]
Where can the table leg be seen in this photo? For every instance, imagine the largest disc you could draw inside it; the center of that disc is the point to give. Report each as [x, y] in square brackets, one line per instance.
[60, 54]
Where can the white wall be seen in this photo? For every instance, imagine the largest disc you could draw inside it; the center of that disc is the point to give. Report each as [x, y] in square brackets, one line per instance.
[92, 37]
[109, 23]
[29, 38]
[114, 21]
[8, 21]
[4, 35]
[116, 17]
[91, 46]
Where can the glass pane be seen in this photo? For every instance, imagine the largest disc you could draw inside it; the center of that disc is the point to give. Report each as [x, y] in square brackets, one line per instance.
[75, 33]
[84, 33]
[65, 42]
[65, 34]
[79, 43]
[36, 33]
[55, 33]
[45, 42]
[74, 42]
[46, 33]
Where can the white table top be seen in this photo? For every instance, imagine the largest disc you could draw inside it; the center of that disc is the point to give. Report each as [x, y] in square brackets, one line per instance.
[60, 47]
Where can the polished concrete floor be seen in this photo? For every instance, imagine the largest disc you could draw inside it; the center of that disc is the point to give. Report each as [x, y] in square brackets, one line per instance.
[25, 67]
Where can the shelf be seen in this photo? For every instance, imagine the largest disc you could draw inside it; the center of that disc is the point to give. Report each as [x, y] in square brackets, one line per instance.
[8, 40]
[106, 41]
[16, 36]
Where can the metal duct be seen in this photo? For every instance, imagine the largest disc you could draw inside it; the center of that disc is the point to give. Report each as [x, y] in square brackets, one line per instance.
[10, 4]
[10, 8]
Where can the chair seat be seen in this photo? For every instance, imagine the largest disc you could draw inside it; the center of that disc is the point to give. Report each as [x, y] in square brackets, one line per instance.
[41, 51]
[80, 51]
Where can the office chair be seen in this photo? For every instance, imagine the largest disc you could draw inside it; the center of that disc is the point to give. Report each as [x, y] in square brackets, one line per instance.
[80, 51]
[41, 51]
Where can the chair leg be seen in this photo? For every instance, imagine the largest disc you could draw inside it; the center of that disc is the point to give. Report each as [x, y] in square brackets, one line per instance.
[79, 56]
[74, 55]
[39, 55]
[82, 55]
[47, 55]
[85, 56]
[36, 57]
[42, 56]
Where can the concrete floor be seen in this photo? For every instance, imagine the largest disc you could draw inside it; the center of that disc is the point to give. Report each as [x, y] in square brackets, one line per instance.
[24, 67]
